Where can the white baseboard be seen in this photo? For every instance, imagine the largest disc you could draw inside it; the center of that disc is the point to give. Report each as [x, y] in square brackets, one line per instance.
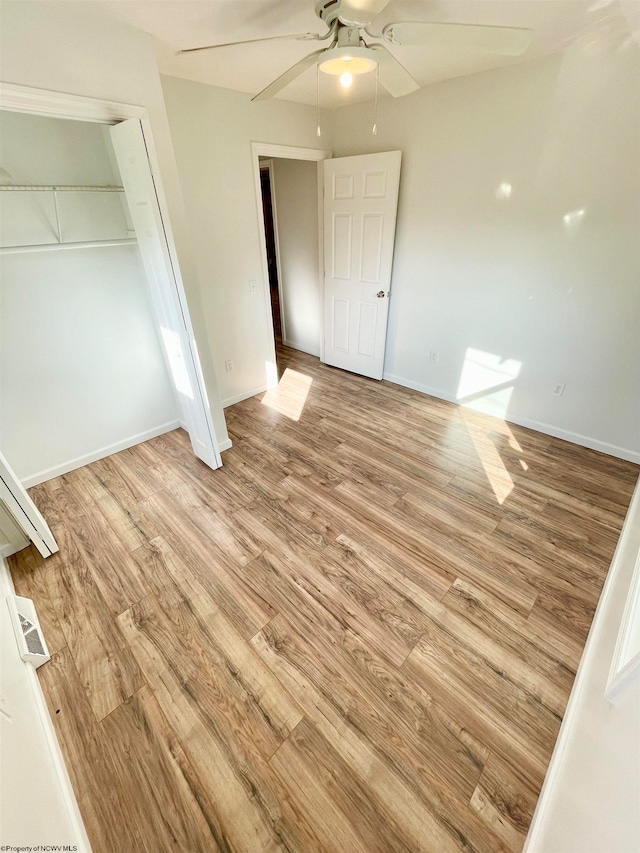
[79, 461]
[295, 345]
[238, 398]
[538, 426]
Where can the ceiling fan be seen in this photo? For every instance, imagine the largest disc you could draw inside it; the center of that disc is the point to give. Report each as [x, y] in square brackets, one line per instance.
[349, 53]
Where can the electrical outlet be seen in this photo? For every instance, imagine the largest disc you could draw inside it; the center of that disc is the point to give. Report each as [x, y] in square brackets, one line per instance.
[434, 356]
[558, 389]
[252, 287]
[228, 366]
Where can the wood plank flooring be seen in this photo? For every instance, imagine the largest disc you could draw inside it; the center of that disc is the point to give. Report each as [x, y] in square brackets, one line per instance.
[360, 635]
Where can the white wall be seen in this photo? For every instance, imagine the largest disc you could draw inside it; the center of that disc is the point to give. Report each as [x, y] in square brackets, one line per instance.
[295, 189]
[212, 131]
[554, 301]
[59, 46]
[37, 802]
[82, 371]
[589, 802]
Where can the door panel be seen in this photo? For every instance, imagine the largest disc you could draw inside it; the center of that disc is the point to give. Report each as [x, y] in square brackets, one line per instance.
[340, 324]
[371, 252]
[342, 230]
[360, 203]
[177, 338]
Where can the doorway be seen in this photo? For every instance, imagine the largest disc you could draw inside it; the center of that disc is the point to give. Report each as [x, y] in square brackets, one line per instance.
[287, 307]
[273, 266]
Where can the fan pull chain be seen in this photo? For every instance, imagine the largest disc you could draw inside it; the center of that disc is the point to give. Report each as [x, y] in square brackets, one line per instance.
[374, 129]
[318, 131]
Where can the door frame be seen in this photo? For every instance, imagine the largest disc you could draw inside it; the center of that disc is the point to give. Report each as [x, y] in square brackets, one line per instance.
[267, 166]
[23, 511]
[43, 102]
[287, 152]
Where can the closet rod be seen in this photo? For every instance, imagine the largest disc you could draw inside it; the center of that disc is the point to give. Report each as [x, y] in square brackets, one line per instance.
[24, 188]
[52, 247]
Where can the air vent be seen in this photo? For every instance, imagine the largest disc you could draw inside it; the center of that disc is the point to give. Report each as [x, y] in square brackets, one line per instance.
[29, 636]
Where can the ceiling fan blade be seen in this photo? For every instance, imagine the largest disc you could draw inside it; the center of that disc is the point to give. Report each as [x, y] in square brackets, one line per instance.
[507, 41]
[361, 11]
[392, 75]
[289, 76]
[296, 37]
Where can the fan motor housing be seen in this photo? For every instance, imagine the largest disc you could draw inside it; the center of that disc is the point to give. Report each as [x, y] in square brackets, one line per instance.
[329, 11]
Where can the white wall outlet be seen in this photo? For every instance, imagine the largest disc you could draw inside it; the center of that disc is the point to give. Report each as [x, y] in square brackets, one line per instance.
[252, 287]
[558, 389]
[434, 356]
[228, 366]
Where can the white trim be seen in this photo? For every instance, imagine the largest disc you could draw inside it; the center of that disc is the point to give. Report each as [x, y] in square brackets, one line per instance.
[238, 398]
[287, 152]
[25, 99]
[227, 444]
[268, 166]
[24, 512]
[78, 462]
[580, 684]
[538, 426]
[320, 182]
[620, 677]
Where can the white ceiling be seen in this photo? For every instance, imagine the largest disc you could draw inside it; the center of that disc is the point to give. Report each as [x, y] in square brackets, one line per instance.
[177, 24]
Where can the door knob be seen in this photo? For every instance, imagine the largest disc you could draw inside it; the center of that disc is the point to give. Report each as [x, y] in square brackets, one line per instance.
[380, 294]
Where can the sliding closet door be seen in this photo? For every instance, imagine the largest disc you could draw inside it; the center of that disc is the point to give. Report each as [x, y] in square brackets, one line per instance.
[166, 291]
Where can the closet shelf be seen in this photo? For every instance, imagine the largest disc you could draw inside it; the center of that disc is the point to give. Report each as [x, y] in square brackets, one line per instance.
[61, 244]
[31, 188]
[52, 247]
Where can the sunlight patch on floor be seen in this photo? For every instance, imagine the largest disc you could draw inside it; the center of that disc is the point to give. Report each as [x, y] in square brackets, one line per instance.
[490, 459]
[486, 385]
[290, 395]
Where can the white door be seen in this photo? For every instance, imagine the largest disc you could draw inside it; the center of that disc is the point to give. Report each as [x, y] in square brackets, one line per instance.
[181, 354]
[24, 512]
[360, 203]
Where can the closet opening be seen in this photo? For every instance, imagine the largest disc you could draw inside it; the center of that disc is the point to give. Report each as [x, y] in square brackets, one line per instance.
[95, 349]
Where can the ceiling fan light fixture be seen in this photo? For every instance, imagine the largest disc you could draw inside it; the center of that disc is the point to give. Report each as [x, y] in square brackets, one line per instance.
[338, 61]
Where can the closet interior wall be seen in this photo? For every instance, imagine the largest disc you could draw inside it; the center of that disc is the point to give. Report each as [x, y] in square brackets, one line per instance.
[81, 368]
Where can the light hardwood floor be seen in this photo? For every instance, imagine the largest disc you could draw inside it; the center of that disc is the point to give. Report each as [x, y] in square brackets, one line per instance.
[360, 635]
